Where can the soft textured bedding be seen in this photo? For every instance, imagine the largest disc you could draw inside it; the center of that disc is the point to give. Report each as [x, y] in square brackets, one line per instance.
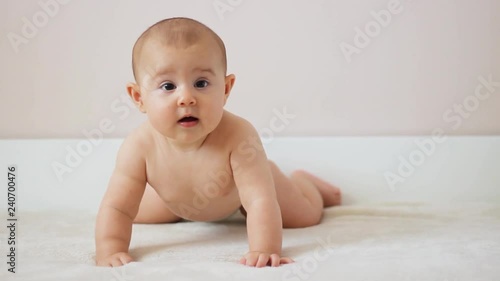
[393, 241]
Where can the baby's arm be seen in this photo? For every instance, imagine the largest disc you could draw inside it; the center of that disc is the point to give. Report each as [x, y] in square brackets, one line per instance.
[120, 205]
[255, 185]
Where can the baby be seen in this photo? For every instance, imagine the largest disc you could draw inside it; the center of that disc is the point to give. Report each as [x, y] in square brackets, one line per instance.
[194, 160]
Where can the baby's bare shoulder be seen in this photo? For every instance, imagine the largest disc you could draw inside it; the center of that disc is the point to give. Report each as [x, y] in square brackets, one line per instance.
[236, 129]
[137, 142]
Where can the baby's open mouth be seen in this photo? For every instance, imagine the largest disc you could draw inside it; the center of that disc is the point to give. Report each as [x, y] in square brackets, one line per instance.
[188, 119]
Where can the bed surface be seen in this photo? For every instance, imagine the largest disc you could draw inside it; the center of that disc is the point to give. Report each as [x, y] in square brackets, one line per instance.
[393, 241]
[425, 228]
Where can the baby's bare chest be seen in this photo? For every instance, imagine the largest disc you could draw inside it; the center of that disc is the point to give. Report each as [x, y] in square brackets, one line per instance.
[180, 179]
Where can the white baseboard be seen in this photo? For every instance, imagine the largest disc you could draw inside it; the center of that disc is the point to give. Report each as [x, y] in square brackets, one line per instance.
[459, 169]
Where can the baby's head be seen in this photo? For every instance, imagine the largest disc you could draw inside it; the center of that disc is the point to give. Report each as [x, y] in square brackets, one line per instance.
[180, 66]
[179, 33]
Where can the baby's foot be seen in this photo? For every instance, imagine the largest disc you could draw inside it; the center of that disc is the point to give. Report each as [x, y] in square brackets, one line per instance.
[331, 194]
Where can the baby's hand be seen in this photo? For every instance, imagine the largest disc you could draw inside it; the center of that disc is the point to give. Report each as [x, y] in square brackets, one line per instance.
[115, 260]
[260, 259]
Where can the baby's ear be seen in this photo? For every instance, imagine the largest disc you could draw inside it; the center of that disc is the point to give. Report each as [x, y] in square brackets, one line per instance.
[134, 91]
[229, 83]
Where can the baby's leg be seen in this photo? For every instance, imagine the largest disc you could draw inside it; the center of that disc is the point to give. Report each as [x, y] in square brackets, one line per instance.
[331, 194]
[302, 197]
[153, 210]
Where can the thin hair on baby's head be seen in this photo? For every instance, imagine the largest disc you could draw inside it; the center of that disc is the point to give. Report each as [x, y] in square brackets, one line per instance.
[178, 32]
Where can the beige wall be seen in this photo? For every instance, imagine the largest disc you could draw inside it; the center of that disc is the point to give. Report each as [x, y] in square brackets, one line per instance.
[66, 74]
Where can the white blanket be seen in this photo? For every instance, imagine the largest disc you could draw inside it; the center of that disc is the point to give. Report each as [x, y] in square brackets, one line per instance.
[403, 242]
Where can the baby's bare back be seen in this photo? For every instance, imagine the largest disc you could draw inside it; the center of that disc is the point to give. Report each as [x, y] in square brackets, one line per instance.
[196, 185]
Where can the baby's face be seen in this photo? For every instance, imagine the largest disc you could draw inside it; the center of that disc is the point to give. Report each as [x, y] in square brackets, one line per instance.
[183, 89]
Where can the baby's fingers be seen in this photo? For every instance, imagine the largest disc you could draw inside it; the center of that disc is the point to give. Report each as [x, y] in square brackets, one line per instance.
[116, 261]
[251, 260]
[275, 260]
[286, 260]
[262, 260]
[126, 259]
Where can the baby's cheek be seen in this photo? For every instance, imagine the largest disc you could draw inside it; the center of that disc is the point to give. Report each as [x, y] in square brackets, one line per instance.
[162, 112]
[160, 122]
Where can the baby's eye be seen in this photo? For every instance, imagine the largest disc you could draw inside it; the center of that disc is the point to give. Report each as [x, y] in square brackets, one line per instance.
[168, 86]
[201, 84]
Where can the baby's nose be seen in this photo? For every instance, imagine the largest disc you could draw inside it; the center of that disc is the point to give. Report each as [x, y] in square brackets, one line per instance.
[186, 98]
